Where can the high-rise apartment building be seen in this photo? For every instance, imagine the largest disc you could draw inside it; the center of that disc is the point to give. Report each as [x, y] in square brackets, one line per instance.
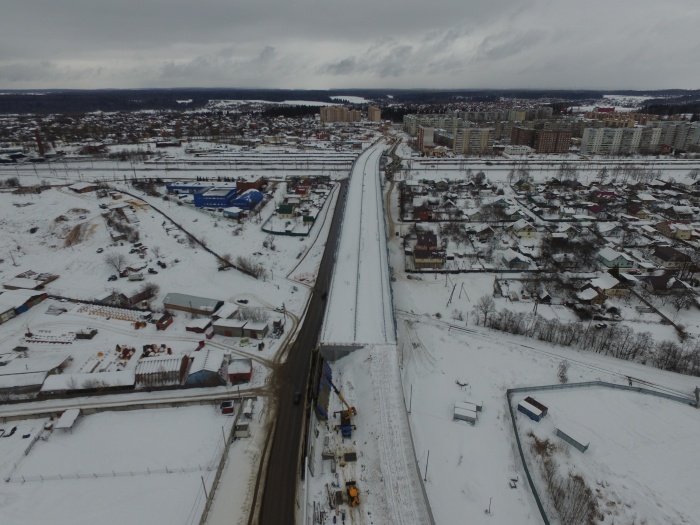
[374, 114]
[339, 114]
[425, 137]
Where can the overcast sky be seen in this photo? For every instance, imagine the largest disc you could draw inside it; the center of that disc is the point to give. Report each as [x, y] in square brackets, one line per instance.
[601, 44]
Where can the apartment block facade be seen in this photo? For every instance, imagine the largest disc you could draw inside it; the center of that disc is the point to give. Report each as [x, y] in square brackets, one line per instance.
[339, 114]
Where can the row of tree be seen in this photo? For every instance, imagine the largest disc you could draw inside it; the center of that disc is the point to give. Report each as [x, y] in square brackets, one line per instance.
[615, 340]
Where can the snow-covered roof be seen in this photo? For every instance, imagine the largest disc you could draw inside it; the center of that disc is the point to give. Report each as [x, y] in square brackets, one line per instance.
[587, 294]
[199, 323]
[240, 366]
[67, 419]
[23, 282]
[230, 323]
[153, 365]
[15, 298]
[61, 382]
[31, 365]
[191, 301]
[210, 359]
[259, 325]
[605, 282]
[226, 311]
[531, 408]
[35, 379]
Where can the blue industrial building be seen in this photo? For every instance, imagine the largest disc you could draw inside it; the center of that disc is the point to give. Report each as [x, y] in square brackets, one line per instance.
[215, 198]
[247, 200]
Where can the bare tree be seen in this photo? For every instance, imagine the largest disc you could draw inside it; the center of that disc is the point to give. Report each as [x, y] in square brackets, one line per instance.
[156, 251]
[115, 260]
[153, 288]
[485, 307]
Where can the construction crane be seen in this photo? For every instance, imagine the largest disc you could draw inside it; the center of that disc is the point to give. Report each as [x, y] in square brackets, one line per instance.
[346, 425]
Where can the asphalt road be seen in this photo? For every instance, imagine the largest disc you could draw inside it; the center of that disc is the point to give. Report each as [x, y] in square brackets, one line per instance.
[278, 505]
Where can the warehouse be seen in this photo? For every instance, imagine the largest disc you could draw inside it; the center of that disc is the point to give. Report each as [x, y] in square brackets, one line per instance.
[191, 304]
[207, 368]
[255, 330]
[247, 200]
[161, 371]
[229, 327]
[215, 198]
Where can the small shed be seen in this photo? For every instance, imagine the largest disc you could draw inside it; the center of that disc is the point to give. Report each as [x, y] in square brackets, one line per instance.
[256, 330]
[242, 430]
[530, 411]
[537, 404]
[240, 370]
[248, 408]
[165, 321]
[464, 412]
[573, 439]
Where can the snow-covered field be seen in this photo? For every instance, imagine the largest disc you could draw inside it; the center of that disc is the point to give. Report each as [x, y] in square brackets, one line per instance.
[141, 466]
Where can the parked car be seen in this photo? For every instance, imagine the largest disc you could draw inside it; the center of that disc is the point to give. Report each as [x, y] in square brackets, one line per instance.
[112, 278]
[242, 301]
[601, 325]
[161, 264]
[152, 271]
[100, 250]
[297, 397]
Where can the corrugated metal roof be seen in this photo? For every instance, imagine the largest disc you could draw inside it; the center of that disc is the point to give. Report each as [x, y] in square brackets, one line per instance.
[155, 365]
[191, 301]
[210, 360]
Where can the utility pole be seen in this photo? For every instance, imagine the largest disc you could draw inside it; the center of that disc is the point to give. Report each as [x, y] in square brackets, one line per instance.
[425, 478]
[206, 496]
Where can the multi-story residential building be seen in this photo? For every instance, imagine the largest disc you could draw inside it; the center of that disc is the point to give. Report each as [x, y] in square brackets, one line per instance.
[374, 114]
[472, 141]
[680, 135]
[339, 114]
[542, 140]
[425, 137]
[650, 139]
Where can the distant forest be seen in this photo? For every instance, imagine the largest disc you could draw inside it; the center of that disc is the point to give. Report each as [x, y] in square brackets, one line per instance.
[82, 101]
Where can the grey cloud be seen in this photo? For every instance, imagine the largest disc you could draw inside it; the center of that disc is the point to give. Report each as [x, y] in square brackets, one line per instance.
[506, 45]
[322, 43]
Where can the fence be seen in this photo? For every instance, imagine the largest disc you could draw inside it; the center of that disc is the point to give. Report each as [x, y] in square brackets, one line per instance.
[587, 384]
[111, 474]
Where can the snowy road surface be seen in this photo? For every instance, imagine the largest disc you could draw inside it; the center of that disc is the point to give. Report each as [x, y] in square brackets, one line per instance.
[359, 301]
[360, 312]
